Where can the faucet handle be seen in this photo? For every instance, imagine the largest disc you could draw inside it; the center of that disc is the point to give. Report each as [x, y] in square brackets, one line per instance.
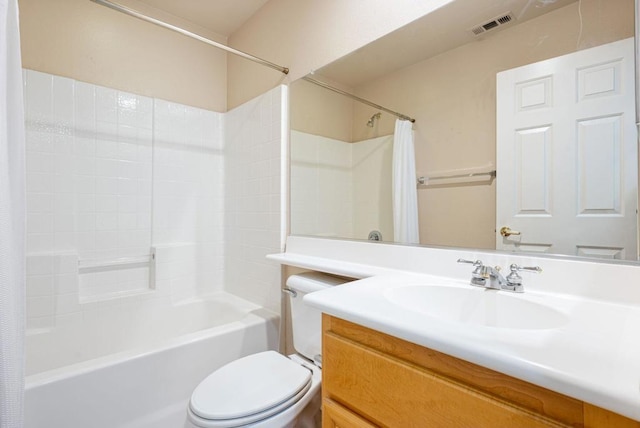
[476, 263]
[479, 275]
[514, 280]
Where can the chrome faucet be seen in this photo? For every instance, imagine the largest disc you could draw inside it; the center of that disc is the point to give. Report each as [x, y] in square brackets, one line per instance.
[490, 277]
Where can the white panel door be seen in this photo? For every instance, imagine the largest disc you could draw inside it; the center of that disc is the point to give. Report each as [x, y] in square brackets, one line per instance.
[567, 154]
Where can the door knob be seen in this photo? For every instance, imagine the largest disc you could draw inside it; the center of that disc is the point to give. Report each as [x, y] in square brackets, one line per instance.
[506, 231]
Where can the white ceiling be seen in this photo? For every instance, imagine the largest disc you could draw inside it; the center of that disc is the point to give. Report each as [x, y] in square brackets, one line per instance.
[441, 30]
[438, 32]
[220, 16]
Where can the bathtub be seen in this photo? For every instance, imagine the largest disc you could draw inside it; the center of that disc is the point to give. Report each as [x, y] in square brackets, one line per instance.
[150, 385]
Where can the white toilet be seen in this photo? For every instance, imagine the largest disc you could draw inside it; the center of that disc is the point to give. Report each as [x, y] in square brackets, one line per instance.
[267, 389]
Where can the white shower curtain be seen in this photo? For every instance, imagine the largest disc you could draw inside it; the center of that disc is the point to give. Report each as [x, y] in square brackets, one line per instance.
[405, 195]
[12, 220]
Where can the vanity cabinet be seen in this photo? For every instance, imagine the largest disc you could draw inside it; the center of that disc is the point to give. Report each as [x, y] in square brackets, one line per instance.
[371, 379]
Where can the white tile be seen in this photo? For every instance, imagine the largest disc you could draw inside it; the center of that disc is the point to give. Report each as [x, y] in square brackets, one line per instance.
[128, 169]
[37, 141]
[127, 186]
[38, 162]
[86, 242]
[128, 134]
[64, 203]
[40, 264]
[85, 184]
[107, 149]
[85, 108]
[39, 98]
[65, 241]
[66, 283]
[40, 285]
[66, 263]
[40, 183]
[106, 221]
[64, 183]
[107, 185]
[64, 222]
[40, 306]
[127, 221]
[67, 303]
[106, 105]
[106, 203]
[107, 167]
[145, 112]
[85, 165]
[39, 223]
[69, 319]
[127, 204]
[40, 242]
[63, 102]
[38, 323]
[106, 240]
[86, 222]
[106, 131]
[85, 144]
[128, 151]
[85, 203]
[63, 160]
[39, 202]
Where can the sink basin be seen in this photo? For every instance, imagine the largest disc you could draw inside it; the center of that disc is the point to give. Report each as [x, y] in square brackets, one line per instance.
[475, 305]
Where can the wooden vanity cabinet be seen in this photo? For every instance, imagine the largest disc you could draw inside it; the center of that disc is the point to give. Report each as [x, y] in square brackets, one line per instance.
[371, 379]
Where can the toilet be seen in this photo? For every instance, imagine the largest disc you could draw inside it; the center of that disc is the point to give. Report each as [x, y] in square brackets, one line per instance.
[268, 389]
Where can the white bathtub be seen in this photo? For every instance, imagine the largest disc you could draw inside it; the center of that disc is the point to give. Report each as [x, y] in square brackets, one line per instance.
[149, 386]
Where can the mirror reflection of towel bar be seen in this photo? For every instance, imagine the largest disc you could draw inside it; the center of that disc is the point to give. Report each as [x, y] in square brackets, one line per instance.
[426, 180]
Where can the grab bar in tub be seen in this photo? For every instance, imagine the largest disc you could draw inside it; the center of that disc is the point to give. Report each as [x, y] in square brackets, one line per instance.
[105, 264]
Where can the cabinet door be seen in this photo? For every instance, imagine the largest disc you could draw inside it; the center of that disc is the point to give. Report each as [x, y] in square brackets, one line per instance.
[336, 416]
[393, 394]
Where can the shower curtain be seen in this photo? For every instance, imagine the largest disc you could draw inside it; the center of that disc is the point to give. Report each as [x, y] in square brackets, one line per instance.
[12, 220]
[405, 195]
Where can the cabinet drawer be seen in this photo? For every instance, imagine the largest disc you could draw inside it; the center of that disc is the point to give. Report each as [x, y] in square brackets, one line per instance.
[336, 416]
[389, 392]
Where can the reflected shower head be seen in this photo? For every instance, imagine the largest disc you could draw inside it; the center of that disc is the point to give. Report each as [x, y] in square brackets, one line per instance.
[372, 120]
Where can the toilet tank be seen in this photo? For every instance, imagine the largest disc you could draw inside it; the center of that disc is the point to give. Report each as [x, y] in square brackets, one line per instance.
[306, 321]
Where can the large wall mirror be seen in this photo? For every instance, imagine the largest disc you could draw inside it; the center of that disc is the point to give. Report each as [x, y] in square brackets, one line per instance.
[540, 91]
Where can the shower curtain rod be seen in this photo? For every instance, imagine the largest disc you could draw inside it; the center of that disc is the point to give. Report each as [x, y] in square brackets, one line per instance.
[163, 24]
[357, 98]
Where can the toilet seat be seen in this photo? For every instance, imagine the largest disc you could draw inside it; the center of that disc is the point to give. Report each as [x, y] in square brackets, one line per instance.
[250, 389]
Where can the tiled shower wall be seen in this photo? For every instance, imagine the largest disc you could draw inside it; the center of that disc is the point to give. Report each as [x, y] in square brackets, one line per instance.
[113, 175]
[255, 136]
[341, 189]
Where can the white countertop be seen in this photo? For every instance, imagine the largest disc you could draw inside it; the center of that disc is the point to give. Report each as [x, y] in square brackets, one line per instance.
[581, 359]
[594, 355]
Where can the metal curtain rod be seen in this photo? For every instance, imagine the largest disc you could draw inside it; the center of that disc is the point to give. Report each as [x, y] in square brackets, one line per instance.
[163, 24]
[357, 98]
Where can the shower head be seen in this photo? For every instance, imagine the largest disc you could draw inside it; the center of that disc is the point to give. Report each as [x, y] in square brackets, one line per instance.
[372, 120]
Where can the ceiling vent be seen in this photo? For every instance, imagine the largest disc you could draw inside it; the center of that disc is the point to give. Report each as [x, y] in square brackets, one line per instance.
[496, 22]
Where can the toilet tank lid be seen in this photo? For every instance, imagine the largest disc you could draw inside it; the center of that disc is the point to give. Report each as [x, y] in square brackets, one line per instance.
[313, 281]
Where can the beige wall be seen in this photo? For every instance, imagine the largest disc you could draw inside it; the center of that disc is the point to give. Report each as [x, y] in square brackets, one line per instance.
[91, 43]
[304, 35]
[452, 96]
[324, 113]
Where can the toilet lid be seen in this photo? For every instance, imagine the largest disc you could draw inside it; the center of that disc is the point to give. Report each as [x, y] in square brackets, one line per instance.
[249, 386]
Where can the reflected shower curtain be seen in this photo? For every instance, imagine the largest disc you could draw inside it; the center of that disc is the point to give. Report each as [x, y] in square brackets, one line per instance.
[405, 195]
[12, 220]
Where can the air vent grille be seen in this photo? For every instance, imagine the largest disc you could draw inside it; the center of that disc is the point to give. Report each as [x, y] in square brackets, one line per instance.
[496, 22]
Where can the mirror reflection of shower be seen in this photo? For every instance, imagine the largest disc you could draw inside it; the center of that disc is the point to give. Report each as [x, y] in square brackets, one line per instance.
[373, 119]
